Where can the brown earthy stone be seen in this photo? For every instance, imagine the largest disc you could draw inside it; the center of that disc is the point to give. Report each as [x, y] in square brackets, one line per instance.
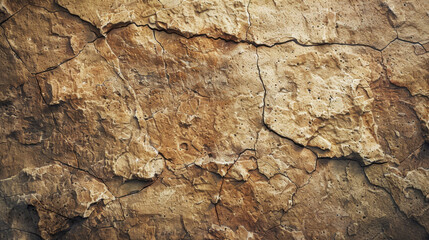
[50, 38]
[339, 201]
[320, 97]
[406, 68]
[352, 22]
[242, 119]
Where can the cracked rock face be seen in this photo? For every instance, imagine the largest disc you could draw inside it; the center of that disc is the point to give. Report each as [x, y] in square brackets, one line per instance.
[188, 119]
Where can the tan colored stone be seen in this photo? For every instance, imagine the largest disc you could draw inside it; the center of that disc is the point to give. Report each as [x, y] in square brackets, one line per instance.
[24, 123]
[170, 119]
[320, 97]
[370, 23]
[359, 22]
[277, 155]
[175, 207]
[96, 92]
[196, 17]
[224, 232]
[422, 111]
[240, 171]
[409, 18]
[189, 17]
[398, 127]
[189, 89]
[56, 193]
[8, 8]
[408, 189]
[339, 201]
[113, 12]
[255, 204]
[49, 39]
[406, 69]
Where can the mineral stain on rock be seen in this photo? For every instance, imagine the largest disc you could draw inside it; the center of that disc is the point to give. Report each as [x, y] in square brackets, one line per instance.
[215, 119]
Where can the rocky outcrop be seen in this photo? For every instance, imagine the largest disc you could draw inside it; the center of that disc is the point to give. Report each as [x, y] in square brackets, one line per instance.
[214, 119]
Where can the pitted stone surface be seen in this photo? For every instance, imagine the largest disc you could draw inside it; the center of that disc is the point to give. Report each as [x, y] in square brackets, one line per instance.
[242, 119]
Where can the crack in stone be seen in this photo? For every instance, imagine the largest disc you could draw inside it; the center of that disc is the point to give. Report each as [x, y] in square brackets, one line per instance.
[141, 189]
[84, 170]
[219, 195]
[65, 61]
[12, 15]
[263, 110]
[13, 50]
[94, 29]
[264, 104]
[392, 199]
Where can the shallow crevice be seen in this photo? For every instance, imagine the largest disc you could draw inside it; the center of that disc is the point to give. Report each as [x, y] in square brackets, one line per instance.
[94, 29]
[13, 14]
[219, 195]
[149, 183]
[392, 199]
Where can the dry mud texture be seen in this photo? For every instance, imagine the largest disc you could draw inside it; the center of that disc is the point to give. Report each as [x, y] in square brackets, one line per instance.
[216, 119]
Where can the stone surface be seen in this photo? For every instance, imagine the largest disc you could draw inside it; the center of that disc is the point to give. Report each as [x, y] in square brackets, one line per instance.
[320, 97]
[40, 187]
[315, 22]
[241, 119]
[51, 37]
[358, 211]
[407, 67]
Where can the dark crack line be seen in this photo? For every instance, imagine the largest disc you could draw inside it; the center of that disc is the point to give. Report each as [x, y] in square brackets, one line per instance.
[350, 157]
[141, 189]
[67, 60]
[360, 161]
[246, 41]
[83, 170]
[189, 36]
[122, 209]
[187, 234]
[204, 35]
[87, 172]
[223, 181]
[256, 45]
[13, 50]
[396, 205]
[217, 213]
[264, 105]
[296, 41]
[170, 31]
[94, 29]
[12, 15]
[42, 206]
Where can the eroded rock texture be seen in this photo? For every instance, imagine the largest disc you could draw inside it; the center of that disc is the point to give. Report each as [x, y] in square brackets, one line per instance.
[217, 119]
